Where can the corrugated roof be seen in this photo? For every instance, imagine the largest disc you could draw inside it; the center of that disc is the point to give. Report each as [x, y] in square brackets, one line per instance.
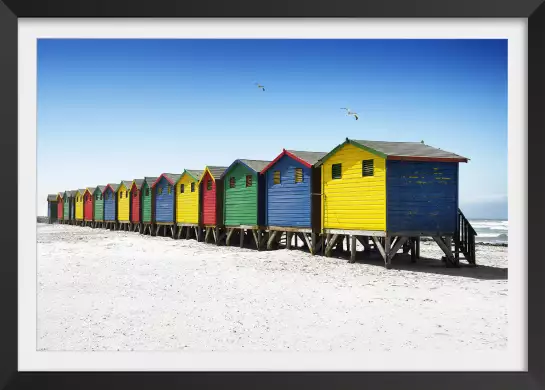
[126, 183]
[174, 177]
[91, 189]
[256, 165]
[138, 183]
[150, 180]
[114, 186]
[408, 149]
[100, 188]
[216, 172]
[81, 190]
[195, 173]
[51, 197]
[310, 157]
[73, 193]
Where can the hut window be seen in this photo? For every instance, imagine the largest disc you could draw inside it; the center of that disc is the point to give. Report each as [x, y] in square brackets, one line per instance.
[231, 182]
[147, 191]
[135, 193]
[182, 188]
[193, 187]
[100, 196]
[367, 168]
[160, 190]
[169, 189]
[126, 194]
[336, 171]
[298, 175]
[120, 194]
[276, 177]
[209, 185]
[248, 180]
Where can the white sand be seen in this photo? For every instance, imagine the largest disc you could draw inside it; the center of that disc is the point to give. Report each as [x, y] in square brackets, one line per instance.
[103, 290]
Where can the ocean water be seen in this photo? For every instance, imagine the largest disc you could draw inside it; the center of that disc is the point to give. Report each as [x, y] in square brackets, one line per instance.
[490, 230]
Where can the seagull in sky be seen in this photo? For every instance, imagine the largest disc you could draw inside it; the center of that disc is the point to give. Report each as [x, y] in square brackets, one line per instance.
[260, 86]
[348, 112]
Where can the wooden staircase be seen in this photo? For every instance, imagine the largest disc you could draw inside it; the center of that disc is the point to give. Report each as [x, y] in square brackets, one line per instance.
[464, 238]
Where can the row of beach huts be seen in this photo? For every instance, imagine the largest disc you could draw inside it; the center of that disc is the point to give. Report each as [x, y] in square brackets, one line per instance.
[383, 195]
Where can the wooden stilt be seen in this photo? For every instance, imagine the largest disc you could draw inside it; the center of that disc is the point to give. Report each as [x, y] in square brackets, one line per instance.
[256, 234]
[318, 242]
[242, 238]
[309, 245]
[353, 251]
[399, 242]
[229, 234]
[412, 247]
[449, 256]
[418, 247]
[289, 236]
[215, 233]
[379, 246]
[263, 239]
[387, 248]
[332, 241]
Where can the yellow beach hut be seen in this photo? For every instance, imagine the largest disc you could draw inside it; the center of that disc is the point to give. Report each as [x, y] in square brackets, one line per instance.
[187, 204]
[79, 206]
[124, 205]
[393, 193]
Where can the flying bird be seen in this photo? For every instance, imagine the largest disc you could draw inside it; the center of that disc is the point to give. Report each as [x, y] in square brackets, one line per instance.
[260, 86]
[348, 112]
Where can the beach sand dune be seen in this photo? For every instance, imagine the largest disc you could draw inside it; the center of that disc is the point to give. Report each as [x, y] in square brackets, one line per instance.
[102, 290]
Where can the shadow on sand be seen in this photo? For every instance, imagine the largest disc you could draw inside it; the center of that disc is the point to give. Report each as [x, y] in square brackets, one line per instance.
[427, 265]
[436, 266]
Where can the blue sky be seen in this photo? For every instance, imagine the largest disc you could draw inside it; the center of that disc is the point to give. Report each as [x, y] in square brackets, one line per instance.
[112, 110]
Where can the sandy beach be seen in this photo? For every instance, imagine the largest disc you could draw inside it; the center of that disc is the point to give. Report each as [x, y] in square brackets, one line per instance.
[102, 290]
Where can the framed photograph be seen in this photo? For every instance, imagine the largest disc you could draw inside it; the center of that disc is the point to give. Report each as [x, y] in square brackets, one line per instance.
[286, 194]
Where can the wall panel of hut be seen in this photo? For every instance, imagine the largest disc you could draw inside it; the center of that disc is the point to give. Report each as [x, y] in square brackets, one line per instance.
[288, 203]
[241, 206]
[422, 196]
[353, 201]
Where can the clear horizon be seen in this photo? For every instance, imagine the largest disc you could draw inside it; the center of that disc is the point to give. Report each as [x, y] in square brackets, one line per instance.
[119, 109]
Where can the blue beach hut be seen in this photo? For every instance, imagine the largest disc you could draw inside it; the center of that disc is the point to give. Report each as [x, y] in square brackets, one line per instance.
[292, 199]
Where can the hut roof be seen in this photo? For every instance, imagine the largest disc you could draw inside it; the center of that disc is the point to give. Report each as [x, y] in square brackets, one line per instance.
[73, 193]
[52, 197]
[114, 187]
[194, 173]
[150, 180]
[216, 172]
[91, 189]
[126, 183]
[101, 188]
[255, 165]
[411, 151]
[171, 178]
[306, 158]
[138, 183]
[81, 190]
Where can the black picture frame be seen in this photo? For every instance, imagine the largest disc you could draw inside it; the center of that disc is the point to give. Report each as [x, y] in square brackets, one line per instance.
[11, 10]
